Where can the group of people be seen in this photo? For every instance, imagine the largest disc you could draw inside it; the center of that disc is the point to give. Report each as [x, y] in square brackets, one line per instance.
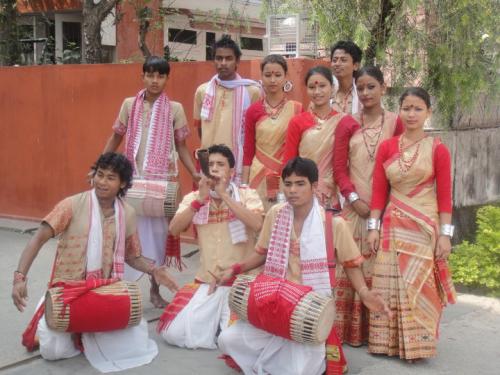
[366, 218]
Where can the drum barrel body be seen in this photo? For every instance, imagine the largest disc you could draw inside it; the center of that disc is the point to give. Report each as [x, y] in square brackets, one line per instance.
[154, 198]
[310, 321]
[107, 308]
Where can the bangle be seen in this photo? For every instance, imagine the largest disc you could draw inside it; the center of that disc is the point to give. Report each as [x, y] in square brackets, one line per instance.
[447, 230]
[18, 277]
[353, 197]
[196, 205]
[373, 224]
[243, 186]
[236, 269]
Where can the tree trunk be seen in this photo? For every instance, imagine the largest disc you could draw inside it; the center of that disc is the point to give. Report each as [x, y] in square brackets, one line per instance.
[145, 15]
[93, 15]
[381, 30]
[10, 48]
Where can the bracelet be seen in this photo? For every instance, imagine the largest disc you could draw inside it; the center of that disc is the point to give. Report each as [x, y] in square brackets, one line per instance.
[353, 197]
[373, 224]
[236, 269]
[447, 230]
[196, 205]
[18, 277]
[243, 186]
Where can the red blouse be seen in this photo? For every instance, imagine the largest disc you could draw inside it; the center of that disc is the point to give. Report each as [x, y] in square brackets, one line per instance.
[442, 173]
[345, 130]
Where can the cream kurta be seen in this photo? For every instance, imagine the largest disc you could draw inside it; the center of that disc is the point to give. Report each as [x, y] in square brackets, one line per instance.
[220, 129]
[216, 249]
[347, 252]
[179, 122]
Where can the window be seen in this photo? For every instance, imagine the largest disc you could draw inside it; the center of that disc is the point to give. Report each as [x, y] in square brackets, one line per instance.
[210, 41]
[182, 36]
[254, 44]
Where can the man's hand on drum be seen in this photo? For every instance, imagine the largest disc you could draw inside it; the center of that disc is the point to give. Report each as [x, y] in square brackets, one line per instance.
[226, 276]
[20, 294]
[374, 301]
[163, 277]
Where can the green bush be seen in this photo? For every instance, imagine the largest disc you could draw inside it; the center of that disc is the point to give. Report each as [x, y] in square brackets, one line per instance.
[478, 264]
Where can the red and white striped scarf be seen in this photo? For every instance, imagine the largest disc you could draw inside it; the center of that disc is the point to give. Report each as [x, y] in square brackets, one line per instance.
[159, 146]
[95, 240]
[313, 257]
[241, 101]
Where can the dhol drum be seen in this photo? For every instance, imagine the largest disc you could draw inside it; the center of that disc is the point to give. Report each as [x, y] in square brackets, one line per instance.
[93, 306]
[154, 198]
[283, 308]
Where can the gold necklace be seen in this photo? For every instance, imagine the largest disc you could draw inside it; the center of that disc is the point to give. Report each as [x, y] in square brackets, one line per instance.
[320, 120]
[274, 111]
[372, 147]
[406, 159]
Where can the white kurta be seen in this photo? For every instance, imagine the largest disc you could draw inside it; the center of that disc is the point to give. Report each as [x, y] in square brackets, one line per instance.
[259, 352]
[197, 324]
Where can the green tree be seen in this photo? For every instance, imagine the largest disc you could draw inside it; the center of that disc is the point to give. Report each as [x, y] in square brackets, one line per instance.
[449, 47]
[10, 48]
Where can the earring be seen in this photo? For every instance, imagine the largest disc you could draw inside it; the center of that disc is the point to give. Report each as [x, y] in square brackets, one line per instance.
[288, 86]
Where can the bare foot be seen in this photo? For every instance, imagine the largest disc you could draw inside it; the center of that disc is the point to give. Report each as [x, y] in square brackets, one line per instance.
[157, 300]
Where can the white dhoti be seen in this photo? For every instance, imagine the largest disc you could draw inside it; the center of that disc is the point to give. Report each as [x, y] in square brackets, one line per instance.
[106, 351]
[153, 232]
[259, 352]
[197, 324]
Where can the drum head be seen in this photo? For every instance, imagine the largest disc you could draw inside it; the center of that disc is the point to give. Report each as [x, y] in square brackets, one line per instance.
[325, 321]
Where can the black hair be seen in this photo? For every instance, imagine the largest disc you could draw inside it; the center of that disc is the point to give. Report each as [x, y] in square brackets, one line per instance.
[419, 93]
[274, 59]
[301, 167]
[349, 47]
[372, 71]
[224, 151]
[227, 42]
[156, 64]
[319, 69]
[119, 164]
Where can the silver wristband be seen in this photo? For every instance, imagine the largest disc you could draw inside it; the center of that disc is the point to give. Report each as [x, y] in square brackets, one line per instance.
[373, 224]
[353, 197]
[447, 230]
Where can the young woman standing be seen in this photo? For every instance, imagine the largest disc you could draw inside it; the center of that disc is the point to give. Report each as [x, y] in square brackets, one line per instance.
[311, 134]
[357, 139]
[412, 185]
[266, 123]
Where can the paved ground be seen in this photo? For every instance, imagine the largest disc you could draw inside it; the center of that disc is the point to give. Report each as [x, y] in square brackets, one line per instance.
[469, 344]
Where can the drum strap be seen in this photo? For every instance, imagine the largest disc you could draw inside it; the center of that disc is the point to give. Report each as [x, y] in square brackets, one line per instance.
[330, 247]
[335, 358]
